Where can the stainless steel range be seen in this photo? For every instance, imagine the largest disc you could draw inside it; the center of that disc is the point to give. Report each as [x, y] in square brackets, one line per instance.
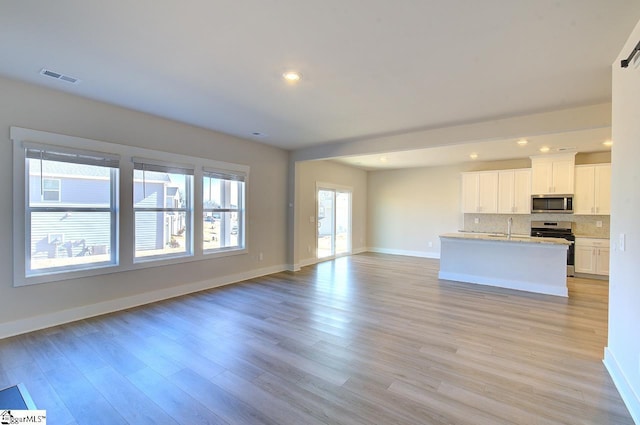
[557, 229]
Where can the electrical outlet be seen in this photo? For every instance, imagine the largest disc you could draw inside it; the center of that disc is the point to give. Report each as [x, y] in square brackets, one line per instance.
[476, 220]
[430, 244]
[599, 223]
[621, 240]
[260, 257]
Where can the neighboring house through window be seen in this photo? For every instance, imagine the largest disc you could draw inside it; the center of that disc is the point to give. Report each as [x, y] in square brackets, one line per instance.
[162, 201]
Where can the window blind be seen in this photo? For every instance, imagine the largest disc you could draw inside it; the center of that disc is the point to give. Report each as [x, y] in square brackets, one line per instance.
[162, 167]
[224, 175]
[70, 155]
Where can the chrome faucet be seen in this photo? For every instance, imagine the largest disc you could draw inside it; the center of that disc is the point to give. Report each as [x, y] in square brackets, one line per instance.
[509, 223]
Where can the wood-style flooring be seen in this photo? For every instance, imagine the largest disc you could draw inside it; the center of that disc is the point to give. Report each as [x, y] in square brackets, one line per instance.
[367, 339]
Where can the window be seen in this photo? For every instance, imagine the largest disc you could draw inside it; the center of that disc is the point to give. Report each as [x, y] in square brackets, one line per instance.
[162, 203]
[73, 232]
[68, 209]
[223, 198]
[51, 189]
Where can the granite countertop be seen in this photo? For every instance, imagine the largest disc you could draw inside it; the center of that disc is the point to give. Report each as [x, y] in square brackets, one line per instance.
[501, 237]
[592, 237]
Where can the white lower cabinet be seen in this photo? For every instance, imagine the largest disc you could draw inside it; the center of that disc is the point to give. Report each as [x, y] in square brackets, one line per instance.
[592, 256]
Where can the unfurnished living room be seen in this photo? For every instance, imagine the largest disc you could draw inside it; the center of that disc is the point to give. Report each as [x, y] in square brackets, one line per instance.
[337, 212]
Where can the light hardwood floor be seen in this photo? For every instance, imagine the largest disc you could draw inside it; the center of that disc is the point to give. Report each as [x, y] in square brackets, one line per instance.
[368, 339]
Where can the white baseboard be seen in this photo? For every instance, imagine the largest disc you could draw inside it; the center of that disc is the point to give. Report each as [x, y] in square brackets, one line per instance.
[293, 267]
[503, 283]
[406, 253]
[308, 262]
[629, 396]
[311, 261]
[30, 324]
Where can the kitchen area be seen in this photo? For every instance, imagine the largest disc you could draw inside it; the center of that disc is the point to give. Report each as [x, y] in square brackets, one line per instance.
[530, 228]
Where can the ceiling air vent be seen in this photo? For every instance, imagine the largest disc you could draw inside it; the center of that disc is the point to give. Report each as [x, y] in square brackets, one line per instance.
[49, 73]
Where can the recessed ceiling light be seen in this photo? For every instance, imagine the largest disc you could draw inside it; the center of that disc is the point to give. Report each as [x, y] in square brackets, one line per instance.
[383, 159]
[473, 156]
[608, 143]
[292, 76]
[545, 149]
[522, 142]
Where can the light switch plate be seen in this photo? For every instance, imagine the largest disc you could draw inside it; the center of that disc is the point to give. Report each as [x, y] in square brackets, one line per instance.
[621, 240]
[476, 220]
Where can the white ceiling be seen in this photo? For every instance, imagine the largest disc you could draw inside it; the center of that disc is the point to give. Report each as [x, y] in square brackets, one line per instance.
[590, 140]
[369, 67]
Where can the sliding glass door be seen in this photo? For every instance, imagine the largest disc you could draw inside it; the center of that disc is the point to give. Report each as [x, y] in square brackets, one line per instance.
[334, 222]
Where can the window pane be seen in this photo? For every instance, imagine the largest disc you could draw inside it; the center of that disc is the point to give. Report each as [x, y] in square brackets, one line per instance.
[62, 239]
[343, 222]
[84, 185]
[223, 203]
[221, 230]
[160, 233]
[211, 193]
[154, 189]
[235, 188]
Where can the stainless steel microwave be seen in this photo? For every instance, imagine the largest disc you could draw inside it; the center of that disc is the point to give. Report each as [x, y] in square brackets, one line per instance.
[552, 204]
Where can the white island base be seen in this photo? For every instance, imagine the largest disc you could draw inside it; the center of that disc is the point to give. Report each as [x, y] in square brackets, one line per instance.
[527, 264]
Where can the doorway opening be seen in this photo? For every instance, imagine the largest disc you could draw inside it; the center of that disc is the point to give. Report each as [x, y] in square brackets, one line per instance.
[334, 222]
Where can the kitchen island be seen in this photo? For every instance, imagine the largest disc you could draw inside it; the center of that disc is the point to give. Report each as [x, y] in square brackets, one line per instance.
[517, 262]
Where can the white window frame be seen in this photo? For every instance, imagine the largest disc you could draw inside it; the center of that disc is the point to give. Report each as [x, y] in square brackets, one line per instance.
[145, 164]
[124, 243]
[64, 154]
[240, 209]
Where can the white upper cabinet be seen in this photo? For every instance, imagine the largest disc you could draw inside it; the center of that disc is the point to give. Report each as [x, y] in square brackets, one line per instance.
[593, 190]
[514, 191]
[552, 174]
[480, 192]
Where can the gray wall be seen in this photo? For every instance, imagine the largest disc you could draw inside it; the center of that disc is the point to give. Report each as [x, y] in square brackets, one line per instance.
[308, 174]
[40, 108]
[409, 209]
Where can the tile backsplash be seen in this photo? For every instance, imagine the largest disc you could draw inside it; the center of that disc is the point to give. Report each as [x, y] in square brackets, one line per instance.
[584, 225]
